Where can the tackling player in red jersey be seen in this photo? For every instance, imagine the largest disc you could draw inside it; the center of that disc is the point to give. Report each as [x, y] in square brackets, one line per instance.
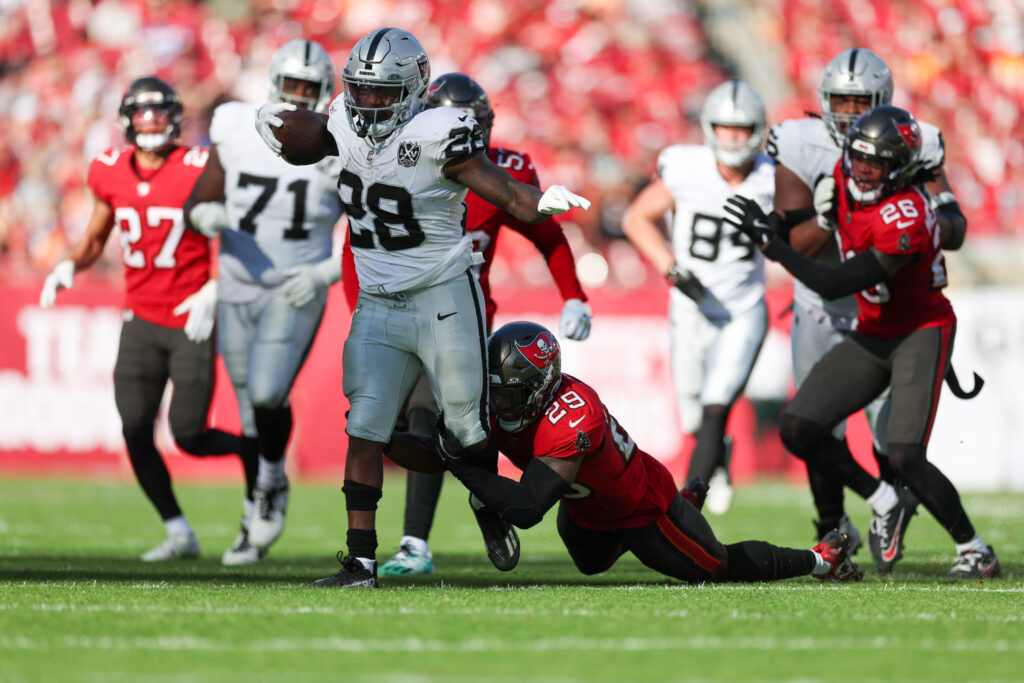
[483, 222]
[170, 298]
[612, 496]
[903, 339]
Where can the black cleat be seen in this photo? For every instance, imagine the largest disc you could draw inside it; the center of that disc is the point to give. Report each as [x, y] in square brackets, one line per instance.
[351, 575]
[695, 491]
[885, 535]
[834, 549]
[976, 565]
[500, 537]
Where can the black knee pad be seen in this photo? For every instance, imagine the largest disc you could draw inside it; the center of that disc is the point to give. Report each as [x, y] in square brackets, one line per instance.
[190, 443]
[905, 458]
[139, 439]
[360, 496]
[800, 436]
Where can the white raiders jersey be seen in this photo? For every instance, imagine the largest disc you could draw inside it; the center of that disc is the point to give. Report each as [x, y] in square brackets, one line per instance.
[407, 222]
[280, 215]
[728, 264]
[805, 147]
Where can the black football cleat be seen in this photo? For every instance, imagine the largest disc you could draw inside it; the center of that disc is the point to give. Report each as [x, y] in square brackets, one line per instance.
[695, 491]
[500, 537]
[834, 549]
[973, 564]
[351, 575]
[885, 535]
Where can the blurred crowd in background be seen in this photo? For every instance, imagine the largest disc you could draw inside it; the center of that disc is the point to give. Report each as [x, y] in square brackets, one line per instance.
[591, 89]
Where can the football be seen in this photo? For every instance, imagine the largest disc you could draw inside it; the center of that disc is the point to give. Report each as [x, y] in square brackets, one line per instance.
[303, 136]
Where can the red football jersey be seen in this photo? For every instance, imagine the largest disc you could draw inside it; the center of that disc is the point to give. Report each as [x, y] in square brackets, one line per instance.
[902, 223]
[163, 262]
[483, 222]
[618, 485]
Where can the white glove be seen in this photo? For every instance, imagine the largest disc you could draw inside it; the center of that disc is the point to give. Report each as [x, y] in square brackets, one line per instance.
[556, 199]
[310, 280]
[575, 323]
[62, 277]
[209, 218]
[201, 308]
[267, 116]
[825, 202]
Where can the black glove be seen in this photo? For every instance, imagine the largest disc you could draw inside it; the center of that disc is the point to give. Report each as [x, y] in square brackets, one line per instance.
[746, 216]
[446, 444]
[686, 282]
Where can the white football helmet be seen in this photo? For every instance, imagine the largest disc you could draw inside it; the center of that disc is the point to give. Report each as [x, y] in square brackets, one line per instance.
[857, 71]
[385, 79]
[734, 103]
[306, 61]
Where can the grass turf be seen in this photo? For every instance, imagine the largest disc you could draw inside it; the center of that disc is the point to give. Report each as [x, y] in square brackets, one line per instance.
[76, 605]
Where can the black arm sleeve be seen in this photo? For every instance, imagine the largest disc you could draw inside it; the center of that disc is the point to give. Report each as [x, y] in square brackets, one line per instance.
[522, 503]
[860, 272]
[951, 215]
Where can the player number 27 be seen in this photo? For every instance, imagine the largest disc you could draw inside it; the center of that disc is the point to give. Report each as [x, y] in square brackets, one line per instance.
[130, 222]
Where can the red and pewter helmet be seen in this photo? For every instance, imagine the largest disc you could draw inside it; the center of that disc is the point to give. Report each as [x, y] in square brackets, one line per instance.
[524, 369]
[151, 92]
[886, 136]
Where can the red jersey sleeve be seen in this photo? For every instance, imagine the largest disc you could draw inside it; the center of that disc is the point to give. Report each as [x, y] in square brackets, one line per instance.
[101, 176]
[573, 425]
[547, 235]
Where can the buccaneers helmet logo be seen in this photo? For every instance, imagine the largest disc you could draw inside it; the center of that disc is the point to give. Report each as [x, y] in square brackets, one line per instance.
[542, 352]
[911, 133]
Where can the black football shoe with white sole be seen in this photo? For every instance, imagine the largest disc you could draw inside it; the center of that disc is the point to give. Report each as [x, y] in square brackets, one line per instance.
[351, 575]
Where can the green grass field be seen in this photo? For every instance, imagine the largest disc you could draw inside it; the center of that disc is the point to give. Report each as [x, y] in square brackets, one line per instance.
[75, 605]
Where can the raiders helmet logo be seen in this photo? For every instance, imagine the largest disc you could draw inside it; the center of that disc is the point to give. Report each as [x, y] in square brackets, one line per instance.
[408, 154]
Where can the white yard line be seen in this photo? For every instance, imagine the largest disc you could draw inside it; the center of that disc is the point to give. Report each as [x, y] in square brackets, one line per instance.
[58, 607]
[701, 643]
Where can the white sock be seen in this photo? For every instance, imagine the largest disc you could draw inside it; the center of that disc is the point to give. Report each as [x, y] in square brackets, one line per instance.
[974, 544]
[178, 526]
[271, 474]
[821, 566]
[367, 563]
[883, 499]
[418, 545]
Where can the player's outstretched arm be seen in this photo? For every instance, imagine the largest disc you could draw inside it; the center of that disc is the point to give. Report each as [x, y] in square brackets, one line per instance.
[521, 503]
[204, 209]
[791, 193]
[525, 202]
[83, 254]
[864, 270]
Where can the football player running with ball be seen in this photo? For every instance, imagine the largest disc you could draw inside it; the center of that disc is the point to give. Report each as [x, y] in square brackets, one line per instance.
[484, 222]
[275, 223]
[405, 173]
[891, 246]
[805, 152]
[718, 314]
[612, 496]
[170, 298]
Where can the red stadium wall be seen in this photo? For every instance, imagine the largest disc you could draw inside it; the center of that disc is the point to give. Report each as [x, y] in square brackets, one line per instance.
[57, 413]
